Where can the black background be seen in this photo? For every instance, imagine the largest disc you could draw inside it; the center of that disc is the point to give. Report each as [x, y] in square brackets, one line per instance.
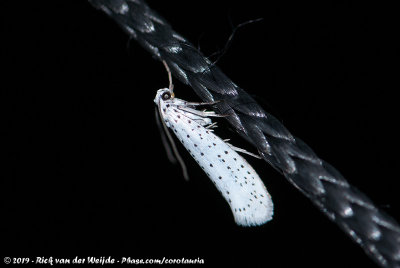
[86, 173]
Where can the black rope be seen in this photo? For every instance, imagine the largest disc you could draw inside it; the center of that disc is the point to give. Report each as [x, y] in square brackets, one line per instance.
[376, 232]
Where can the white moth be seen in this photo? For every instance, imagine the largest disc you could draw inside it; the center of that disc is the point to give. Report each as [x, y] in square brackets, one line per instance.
[237, 181]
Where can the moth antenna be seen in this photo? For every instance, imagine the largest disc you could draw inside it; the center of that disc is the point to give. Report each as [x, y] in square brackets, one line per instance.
[175, 150]
[171, 86]
[164, 140]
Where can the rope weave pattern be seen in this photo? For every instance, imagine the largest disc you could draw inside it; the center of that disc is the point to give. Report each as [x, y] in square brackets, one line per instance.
[376, 232]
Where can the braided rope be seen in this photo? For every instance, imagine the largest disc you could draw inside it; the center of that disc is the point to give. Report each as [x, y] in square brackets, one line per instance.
[377, 233]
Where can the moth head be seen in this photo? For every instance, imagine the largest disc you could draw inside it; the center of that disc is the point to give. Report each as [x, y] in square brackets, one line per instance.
[164, 94]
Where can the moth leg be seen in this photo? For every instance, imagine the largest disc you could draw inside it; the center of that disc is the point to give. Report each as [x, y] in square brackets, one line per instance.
[213, 125]
[201, 103]
[200, 113]
[240, 150]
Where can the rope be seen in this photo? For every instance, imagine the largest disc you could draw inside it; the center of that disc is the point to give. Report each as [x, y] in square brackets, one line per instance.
[376, 232]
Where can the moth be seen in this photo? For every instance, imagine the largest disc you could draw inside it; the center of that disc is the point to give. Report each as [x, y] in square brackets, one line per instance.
[237, 181]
